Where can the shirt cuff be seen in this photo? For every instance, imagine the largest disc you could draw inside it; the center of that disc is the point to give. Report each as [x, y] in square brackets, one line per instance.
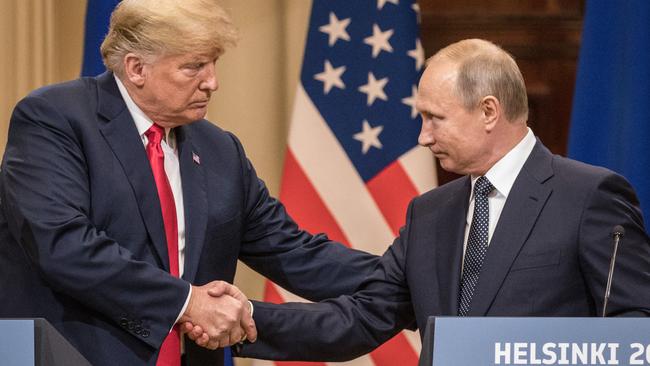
[187, 302]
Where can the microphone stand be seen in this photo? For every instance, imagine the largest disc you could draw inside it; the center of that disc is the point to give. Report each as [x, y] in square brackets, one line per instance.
[617, 233]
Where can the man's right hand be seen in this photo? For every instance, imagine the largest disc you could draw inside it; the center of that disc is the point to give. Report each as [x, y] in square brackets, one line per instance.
[220, 321]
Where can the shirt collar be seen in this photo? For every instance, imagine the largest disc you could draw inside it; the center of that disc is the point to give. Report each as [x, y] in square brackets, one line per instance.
[142, 121]
[502, 175]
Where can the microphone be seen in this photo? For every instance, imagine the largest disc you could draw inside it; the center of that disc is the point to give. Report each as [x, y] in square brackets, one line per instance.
[617, 234]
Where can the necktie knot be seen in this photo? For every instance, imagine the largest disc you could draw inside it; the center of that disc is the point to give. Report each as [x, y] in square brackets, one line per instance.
[483, 187]
[155, 134]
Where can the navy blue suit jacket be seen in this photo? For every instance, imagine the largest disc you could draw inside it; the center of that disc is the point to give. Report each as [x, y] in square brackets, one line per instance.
[82, 241]
[549, 256]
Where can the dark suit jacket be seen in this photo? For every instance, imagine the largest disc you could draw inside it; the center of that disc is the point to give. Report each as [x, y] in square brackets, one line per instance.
[81, 233]
[549, 256]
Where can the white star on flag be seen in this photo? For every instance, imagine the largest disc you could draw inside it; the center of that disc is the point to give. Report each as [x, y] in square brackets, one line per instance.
[331, 77]
[381, 3]
[410, 101]
[416, 9]
[379, 40]
[417, 54]
[336, 29]
[369, 137]
[374, 89]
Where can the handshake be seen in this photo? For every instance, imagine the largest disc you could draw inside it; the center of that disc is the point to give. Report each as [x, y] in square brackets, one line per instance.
[218, 315]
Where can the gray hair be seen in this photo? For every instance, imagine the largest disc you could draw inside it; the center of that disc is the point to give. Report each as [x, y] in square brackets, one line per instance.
[486, 69]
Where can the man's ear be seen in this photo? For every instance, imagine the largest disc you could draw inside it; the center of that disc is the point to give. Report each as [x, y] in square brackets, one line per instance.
[491, 110]
[134, 69]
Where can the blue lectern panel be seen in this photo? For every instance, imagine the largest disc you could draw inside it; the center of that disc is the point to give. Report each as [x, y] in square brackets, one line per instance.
[17, 342]
[541, 341]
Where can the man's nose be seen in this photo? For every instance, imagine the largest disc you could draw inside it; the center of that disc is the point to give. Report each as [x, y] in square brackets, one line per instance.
[426, 134]
[209, 81]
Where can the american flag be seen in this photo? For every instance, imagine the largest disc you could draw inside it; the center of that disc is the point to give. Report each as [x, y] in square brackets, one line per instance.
[352, 163]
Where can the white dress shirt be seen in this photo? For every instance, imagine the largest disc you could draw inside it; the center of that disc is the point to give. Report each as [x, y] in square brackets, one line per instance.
[502, 175]
[172, 170]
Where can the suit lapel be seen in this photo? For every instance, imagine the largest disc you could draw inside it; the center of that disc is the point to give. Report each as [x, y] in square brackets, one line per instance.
[194, 199]
[524, 204]
[449, 237]
[122, 136]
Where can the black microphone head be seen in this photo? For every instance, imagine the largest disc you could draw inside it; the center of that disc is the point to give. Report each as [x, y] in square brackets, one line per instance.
[618, 231]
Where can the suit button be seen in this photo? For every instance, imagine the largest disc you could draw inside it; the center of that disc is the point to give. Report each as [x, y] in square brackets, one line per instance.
[145, 333]
[131, 325]
[124, 322]
[138, 330]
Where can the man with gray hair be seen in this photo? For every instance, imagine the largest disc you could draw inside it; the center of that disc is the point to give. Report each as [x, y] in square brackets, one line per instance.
[523, 233]
[121, 205]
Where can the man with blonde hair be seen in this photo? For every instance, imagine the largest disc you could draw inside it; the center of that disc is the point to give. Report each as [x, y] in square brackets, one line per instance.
[523, 233]
[121, 205]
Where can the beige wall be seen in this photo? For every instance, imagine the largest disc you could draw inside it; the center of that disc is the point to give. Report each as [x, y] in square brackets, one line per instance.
[42, 44]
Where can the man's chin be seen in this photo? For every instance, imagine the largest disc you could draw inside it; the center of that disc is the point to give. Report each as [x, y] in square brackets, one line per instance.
[446, 164]
[442, 158]
[196, 114]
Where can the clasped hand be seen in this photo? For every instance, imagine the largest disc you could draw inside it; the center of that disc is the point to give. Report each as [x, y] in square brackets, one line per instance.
[218, 315]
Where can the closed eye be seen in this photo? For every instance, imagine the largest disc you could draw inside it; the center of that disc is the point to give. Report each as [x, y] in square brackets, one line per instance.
[430, 116]
[195, 66]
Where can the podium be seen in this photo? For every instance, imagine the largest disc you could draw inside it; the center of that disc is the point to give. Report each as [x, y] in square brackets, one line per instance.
[485, 341]
[35, 342]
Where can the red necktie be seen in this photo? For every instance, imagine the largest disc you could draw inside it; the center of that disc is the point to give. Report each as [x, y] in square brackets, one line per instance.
[170, 351]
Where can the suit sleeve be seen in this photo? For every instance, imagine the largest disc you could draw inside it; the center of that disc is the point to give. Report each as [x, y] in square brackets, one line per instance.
[612, 203]
[46, 200]
[311, 266]
[343, 328]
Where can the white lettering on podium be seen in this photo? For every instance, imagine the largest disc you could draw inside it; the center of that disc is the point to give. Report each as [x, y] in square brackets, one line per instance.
[613, 358]
[547, 350]
[563, 354]
[522, 353]
[533, 355]
[581, 352]
[499, 353]
[597, 353]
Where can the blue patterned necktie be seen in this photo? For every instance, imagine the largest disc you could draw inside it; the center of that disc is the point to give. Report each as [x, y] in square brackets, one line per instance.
[477, 244]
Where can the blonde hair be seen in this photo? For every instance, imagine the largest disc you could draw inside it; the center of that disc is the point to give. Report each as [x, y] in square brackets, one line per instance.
[152, 28]
[486, 69]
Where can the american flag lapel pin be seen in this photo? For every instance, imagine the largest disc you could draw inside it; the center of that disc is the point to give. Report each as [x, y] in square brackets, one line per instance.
[196, 158]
